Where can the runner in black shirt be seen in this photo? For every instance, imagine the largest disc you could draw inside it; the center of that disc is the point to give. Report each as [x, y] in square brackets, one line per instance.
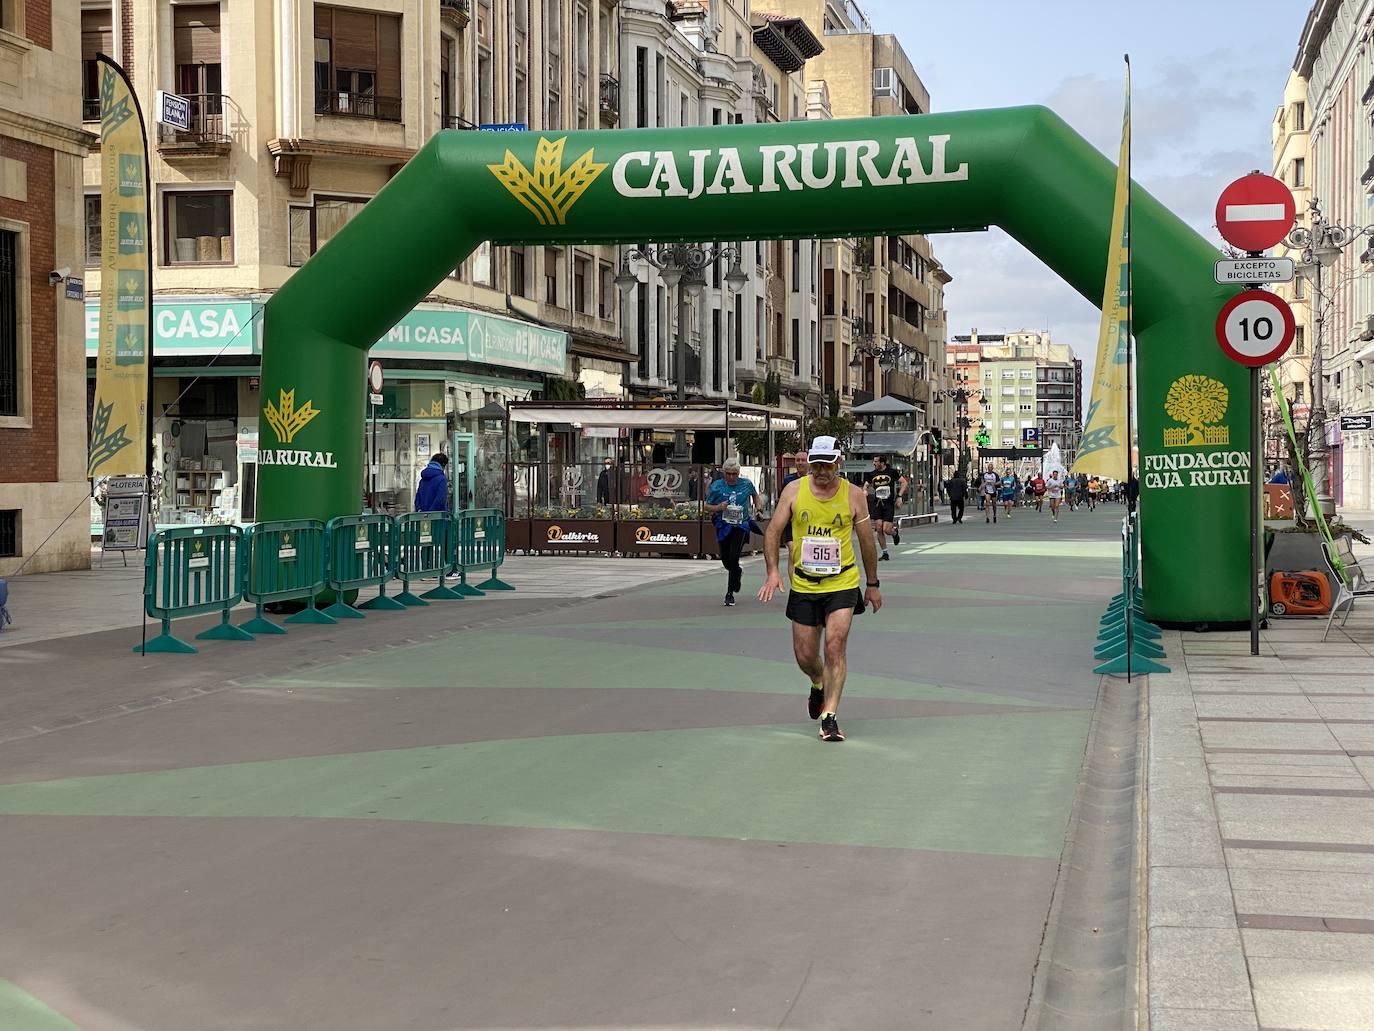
[886, 487]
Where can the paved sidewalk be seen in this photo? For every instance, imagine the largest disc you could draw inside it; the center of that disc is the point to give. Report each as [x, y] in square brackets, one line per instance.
[51, 606]
[1261, 830]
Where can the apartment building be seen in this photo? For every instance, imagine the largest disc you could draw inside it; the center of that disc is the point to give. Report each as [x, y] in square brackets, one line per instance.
[1335, 60]
[1291, 162]
[300, 112]
[864, 73]
[712, 62]
[1023, 380]
[43, 483]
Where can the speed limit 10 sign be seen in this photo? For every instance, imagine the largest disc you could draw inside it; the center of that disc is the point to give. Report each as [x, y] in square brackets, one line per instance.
[1255, 327]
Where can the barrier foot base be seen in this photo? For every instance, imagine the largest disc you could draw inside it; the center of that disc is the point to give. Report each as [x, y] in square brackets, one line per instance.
[469, 591]
[493, 584]
[1111, 649]
[341, 611]
[310, 615]
[406, 598]
[261, 625]
[382, 603]
[168, 645]
[443, 594]
[226, 631]
[1136, 666]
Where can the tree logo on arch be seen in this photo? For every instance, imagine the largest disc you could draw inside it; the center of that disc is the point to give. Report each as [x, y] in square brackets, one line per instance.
[1199, 402]
[549, 191]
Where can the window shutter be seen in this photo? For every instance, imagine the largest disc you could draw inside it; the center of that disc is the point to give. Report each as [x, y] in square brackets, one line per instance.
[324, 22]
[388, 55]
[355, 40]
[97, 34]
[196, 34]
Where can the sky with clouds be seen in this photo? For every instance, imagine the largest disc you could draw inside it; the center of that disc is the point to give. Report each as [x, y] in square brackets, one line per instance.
[1206, 78]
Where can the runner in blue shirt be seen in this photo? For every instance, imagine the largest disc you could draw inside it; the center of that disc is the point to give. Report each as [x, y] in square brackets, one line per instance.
[732, 500]
[1008, 492]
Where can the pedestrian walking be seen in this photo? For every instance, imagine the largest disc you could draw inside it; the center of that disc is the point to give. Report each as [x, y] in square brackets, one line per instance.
[431, 495]
[827, 514]
[956, 489]
[885, 488]
[603, 483]
[732, 500]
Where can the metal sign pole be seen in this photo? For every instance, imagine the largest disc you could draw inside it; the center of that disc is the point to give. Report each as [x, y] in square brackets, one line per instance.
[1256, 527]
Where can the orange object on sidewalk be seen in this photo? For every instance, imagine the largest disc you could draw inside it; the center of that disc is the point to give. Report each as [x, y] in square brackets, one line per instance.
[1299, 593]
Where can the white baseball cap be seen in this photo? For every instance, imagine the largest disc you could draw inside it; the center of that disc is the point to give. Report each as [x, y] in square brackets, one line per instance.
[824, 450]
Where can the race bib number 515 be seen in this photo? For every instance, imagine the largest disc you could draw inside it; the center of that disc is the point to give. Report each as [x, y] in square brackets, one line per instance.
[820, 556]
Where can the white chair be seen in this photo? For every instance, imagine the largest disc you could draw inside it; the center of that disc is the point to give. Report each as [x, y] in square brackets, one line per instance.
[1351, 581]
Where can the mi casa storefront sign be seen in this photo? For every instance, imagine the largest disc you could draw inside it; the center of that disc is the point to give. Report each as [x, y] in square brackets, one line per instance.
[454, 335]
[187, 328]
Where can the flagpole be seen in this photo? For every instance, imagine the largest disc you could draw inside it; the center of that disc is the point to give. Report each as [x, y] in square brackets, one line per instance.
[1132, 485]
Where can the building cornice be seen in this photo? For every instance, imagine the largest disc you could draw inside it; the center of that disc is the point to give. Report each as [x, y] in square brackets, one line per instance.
[45, 133]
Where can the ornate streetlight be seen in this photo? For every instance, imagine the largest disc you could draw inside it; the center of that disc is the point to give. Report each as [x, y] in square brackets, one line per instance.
[682, 265]
[960, 395]
[1321, 246]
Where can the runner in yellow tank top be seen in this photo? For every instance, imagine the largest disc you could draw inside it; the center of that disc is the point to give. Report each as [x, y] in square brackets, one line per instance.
[825, 513]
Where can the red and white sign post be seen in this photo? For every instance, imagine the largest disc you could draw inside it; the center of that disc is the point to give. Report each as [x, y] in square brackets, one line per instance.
[1255, 212]
[1254, 328]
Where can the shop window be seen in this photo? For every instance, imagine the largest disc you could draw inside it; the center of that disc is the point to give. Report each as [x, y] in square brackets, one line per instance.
[198, 228]
[92, 229]
[357, 63]
[97, 37]
[207, 397]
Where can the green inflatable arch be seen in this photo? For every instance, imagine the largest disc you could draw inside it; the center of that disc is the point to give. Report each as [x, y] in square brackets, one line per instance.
[1022, 169]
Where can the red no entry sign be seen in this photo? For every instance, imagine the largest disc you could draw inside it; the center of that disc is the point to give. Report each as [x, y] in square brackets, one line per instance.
[1255, 327]
[1255, 212]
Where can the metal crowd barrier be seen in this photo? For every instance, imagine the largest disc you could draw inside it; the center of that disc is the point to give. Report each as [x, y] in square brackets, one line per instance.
[195, 570]
[424, 553]
[362, 553]
[1126, 640]
[480, 544]
[284, 561]
[189, 571]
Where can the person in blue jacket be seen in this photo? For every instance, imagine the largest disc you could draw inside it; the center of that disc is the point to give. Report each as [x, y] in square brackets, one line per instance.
[732, 501]
[432, 494]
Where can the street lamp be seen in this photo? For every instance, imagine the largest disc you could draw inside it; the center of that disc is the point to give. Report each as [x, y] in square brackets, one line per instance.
[1321, 247]
[960, 395]
[682, 265]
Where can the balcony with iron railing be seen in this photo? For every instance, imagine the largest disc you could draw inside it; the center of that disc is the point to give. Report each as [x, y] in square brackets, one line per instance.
[457, 11]
[357, 105]
[90, 109]
[208, 135]
[608, 99]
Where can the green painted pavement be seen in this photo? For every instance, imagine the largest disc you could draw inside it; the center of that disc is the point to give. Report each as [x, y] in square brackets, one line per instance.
[487, 659]
[1072, 549]
[985, 621]
[998, 785]
[20, 1011]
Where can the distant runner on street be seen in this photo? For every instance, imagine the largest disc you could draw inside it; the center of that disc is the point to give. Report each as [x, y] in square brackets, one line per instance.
[1071, 491]
[826, 514]
[1055, 489]
[1008, 489]
[732, 500]
[886, 487]
[1037, 491]
[991, 486]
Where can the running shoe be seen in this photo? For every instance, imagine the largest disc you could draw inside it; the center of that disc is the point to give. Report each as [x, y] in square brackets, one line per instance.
[884, 557]
[830, 730]
[814, 702]
[730, 600]
[896, 536]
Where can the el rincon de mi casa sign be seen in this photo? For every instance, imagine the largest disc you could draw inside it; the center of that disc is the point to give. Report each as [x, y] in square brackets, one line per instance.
[1023, 169]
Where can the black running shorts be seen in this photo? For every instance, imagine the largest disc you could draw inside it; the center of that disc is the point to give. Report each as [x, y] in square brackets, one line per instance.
[881, 511]
[811, 609]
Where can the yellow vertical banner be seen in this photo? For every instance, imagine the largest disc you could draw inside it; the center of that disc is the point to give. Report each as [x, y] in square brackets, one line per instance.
[1104, 449]
[119, 420]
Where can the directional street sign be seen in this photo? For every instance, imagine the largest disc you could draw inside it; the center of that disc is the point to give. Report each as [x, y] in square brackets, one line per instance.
[1244, 271]
[1255, 212]
[1357, 422]
[1255, 327]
